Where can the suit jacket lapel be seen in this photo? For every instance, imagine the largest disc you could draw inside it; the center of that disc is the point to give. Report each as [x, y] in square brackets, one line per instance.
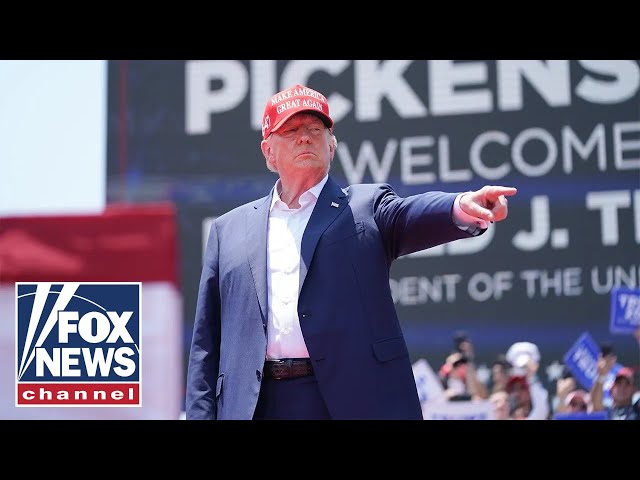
[331, 202]
[255, 243]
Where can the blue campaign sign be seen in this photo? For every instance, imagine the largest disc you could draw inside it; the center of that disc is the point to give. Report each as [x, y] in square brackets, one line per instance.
[601, 415]
[582, 360]
[625, 310]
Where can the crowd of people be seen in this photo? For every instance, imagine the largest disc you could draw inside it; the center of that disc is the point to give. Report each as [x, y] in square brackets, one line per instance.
[516, 392]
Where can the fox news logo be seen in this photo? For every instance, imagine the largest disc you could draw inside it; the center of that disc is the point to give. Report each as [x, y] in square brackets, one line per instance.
[78, 344]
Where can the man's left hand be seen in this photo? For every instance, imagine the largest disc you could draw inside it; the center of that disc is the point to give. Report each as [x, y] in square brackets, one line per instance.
[489, 203]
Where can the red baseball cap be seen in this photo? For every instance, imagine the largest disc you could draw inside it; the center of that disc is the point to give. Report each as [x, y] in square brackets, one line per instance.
[281, 106]
[514, 380]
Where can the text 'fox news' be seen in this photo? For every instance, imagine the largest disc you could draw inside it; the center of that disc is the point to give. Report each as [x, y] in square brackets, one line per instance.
[78, 344]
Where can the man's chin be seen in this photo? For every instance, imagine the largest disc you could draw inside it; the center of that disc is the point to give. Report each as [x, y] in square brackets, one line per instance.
[311, 168]
[309, 162]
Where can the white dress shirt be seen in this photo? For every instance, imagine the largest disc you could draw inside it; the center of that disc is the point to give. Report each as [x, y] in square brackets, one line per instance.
[284, 239]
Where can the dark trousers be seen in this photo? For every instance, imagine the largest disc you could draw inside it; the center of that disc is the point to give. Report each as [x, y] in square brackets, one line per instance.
[291, 399]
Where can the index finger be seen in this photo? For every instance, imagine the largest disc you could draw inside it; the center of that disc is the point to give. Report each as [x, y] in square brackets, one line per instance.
[494, 191]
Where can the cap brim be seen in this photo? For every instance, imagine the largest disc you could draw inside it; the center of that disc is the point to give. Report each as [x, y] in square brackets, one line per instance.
[325, 119]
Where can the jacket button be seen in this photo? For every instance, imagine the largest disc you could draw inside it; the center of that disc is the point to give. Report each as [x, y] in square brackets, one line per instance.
[258, 375]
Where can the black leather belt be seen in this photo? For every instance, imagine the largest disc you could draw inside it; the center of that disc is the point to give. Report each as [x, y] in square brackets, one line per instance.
[288, 368]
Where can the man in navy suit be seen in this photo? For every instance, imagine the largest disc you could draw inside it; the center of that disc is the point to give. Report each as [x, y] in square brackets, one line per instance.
[294, 316]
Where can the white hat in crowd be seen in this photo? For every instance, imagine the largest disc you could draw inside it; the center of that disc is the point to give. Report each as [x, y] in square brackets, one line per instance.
[520, 353]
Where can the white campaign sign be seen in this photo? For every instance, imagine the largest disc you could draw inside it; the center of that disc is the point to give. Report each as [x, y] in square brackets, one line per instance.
[427, 382]
[469, 410]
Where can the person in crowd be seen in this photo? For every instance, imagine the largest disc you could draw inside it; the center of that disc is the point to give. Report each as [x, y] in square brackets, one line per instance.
[565, 384]
[528, 399]
[460, 380]
[624, 406]
[500, 371]
[500, 401]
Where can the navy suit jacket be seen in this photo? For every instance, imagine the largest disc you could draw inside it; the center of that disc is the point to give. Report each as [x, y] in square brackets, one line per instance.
[345, 307]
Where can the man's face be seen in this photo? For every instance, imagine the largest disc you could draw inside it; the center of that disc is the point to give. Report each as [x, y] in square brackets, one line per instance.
[578, 404]
[622, 391]
[499, 373]
[500, 401]
[519, 393]
[300, 147]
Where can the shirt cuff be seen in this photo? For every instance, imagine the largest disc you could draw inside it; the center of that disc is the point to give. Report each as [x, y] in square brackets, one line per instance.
[465, 221]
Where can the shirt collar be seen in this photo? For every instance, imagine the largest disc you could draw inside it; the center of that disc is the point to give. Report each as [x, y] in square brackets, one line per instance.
[315, 191]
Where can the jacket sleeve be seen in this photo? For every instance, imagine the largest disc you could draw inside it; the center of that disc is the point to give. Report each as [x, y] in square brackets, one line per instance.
[416, 222]
[204, 356]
